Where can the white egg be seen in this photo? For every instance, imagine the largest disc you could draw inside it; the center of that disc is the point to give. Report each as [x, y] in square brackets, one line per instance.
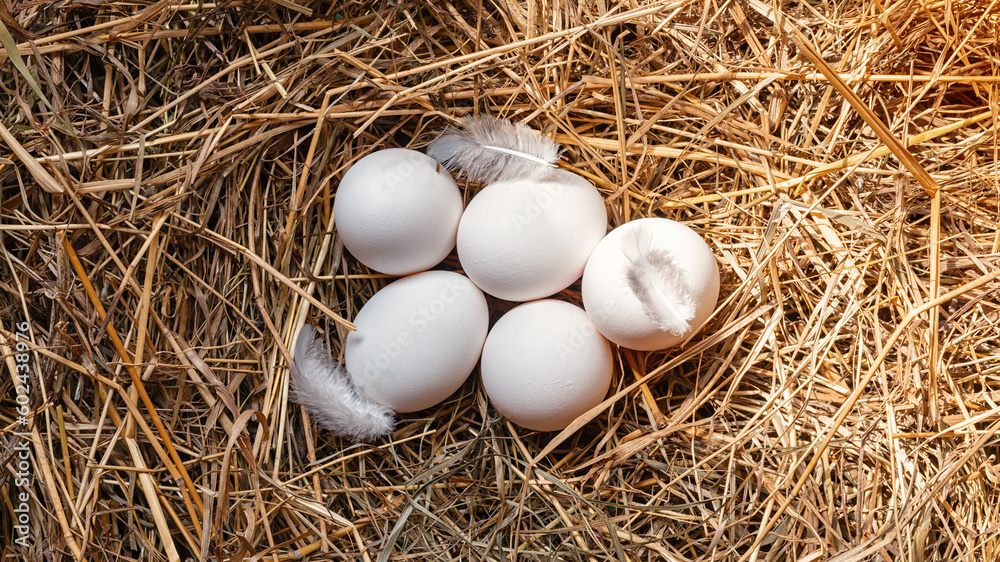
[396, 213]
[650, 283]
[526, 239]
[417, 340]
[544, 364]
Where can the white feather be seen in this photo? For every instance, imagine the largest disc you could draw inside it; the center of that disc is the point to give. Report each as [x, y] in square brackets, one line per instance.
[325, 388]
[660, 284]
[487, 149]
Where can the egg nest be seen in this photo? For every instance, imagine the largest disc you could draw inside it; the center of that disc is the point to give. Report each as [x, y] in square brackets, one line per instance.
[167, 177]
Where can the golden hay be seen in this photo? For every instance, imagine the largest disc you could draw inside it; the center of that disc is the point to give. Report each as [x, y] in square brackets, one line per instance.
[167, 172]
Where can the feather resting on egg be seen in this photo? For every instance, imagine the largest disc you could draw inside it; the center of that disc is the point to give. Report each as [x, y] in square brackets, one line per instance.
[659, 282]
[489, 150]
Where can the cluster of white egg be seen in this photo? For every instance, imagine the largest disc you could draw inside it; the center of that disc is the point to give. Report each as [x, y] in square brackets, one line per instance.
[545, 362]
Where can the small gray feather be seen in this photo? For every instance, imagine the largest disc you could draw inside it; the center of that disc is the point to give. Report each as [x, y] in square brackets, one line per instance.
[325, 388]
[660, 284]
[488, 150]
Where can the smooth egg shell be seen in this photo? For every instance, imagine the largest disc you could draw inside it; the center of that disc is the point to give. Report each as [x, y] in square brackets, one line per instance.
[544, 364]
[396, 213]
[417, 340]
[615, 308]
[527, 239]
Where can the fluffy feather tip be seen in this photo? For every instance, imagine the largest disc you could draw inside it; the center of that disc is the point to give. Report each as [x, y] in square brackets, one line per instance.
[325, 388]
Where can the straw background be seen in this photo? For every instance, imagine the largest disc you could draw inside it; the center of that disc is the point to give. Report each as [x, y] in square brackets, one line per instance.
[167, 172]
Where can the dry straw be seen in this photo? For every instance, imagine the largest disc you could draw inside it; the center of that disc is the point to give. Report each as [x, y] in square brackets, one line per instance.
[168, 170]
